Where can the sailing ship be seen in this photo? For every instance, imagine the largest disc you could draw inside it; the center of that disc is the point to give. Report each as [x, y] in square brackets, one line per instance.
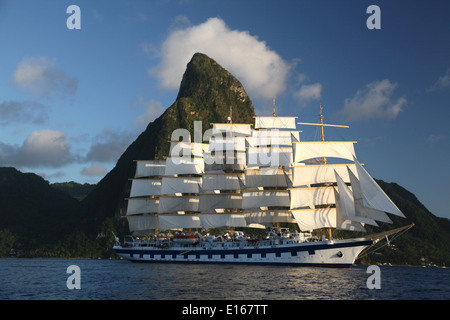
[206, 201]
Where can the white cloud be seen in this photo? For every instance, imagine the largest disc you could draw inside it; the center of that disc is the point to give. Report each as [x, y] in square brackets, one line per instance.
[108, 146]
[50, 149]
[262, 71]
[22, 112]
[153, 109]
[442, 82]
[45, 148]
[433, 138]
[374, 101]
[301, 77]
[309, 92]
[43, 77]
[180, 22]
[94, 171]
[50, 176]
[149, 49]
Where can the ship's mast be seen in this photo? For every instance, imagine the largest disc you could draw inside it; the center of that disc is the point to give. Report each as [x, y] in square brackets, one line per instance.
[324, 160]
[322, 125]
[274, 113]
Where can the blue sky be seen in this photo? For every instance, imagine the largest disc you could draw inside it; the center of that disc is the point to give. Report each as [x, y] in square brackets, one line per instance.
[71, 101]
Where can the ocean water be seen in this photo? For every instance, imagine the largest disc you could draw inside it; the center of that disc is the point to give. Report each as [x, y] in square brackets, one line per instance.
[47, 279]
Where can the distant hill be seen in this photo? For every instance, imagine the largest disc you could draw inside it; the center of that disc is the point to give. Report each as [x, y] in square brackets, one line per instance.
[32, 212]
[38, 219]
[77, 190]
[44, 220]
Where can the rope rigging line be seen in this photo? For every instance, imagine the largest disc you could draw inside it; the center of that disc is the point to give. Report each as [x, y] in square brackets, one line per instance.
[394, 236]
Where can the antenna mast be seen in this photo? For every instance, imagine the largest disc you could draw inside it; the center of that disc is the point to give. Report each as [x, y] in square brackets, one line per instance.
[324, 160]
[274, 113]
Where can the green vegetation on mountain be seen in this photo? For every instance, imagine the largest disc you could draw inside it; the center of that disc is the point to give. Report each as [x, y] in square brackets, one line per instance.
[32, 212]
[38, 219]
[427, 243]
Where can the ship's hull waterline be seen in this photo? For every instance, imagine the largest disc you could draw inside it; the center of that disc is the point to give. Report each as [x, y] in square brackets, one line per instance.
[335, 253]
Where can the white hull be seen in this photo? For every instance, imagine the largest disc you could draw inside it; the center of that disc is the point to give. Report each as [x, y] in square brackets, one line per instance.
[336, 253]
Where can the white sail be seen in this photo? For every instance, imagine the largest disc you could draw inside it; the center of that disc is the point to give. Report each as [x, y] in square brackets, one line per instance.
[221, 220]
[179, 221]
[347, 204]
[187, 149]
[269, 156]
[143, 223]
[224, 161]
[182, 165]
[273, 137]
[266, 177]
[267, 217]
[275, 122]
[224, 157]
[303, 175]
[265, 198]
[318, 149]
[310, 197]
[341, 222]
[211, 201]
[145, 187]
[374, 197]
[221, 181]
[176, 185]
[227, 143]
[142, 205]
[149, 168]
[360, 209]
[312, 219]
[222, 167]
[171, 204]
[237, 129]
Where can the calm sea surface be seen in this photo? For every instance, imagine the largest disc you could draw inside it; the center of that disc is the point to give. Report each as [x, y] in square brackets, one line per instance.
[46, 279]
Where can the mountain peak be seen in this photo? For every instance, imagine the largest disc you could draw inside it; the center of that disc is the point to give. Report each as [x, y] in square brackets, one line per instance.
[207, 93]
[201, 71]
